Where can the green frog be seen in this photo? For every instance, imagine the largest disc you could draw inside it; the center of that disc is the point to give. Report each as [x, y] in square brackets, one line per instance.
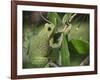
[38, 48]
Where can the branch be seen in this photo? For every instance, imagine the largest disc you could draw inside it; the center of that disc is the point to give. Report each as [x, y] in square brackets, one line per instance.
[85, 61]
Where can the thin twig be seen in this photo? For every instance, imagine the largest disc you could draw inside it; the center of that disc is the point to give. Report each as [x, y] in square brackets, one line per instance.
[85, 61]
[71, 18]
[44, 18]
[50, 63]
[47, 65]
[53, 64]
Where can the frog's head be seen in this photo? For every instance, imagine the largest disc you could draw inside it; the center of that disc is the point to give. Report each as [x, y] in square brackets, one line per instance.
[49, 28]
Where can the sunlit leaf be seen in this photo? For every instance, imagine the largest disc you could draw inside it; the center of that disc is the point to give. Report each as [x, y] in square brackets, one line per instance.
[80, 46]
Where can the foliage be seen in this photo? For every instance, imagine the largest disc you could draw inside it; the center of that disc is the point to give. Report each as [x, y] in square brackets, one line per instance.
[61, 40]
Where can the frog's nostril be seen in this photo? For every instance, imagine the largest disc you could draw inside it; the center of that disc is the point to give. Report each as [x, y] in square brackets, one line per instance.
[49, 29]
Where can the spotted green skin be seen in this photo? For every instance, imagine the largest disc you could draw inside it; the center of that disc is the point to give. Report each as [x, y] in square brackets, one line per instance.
[39, 46]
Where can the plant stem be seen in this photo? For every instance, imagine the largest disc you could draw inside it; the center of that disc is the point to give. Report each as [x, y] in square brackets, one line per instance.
[85, 61]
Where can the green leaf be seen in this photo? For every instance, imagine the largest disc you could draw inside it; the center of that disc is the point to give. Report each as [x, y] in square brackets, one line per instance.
[52, 16]
[65, 55]
[80, 46]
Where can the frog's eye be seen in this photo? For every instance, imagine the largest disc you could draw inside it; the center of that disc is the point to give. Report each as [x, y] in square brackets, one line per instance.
[49, 29]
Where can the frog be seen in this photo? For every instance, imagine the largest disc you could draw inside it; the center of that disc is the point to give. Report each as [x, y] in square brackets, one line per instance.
[38, 48]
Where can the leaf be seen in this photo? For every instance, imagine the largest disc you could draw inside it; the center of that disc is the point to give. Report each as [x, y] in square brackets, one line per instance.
[75, 57]
[80, 46]
[52, 16]
[65, 55]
